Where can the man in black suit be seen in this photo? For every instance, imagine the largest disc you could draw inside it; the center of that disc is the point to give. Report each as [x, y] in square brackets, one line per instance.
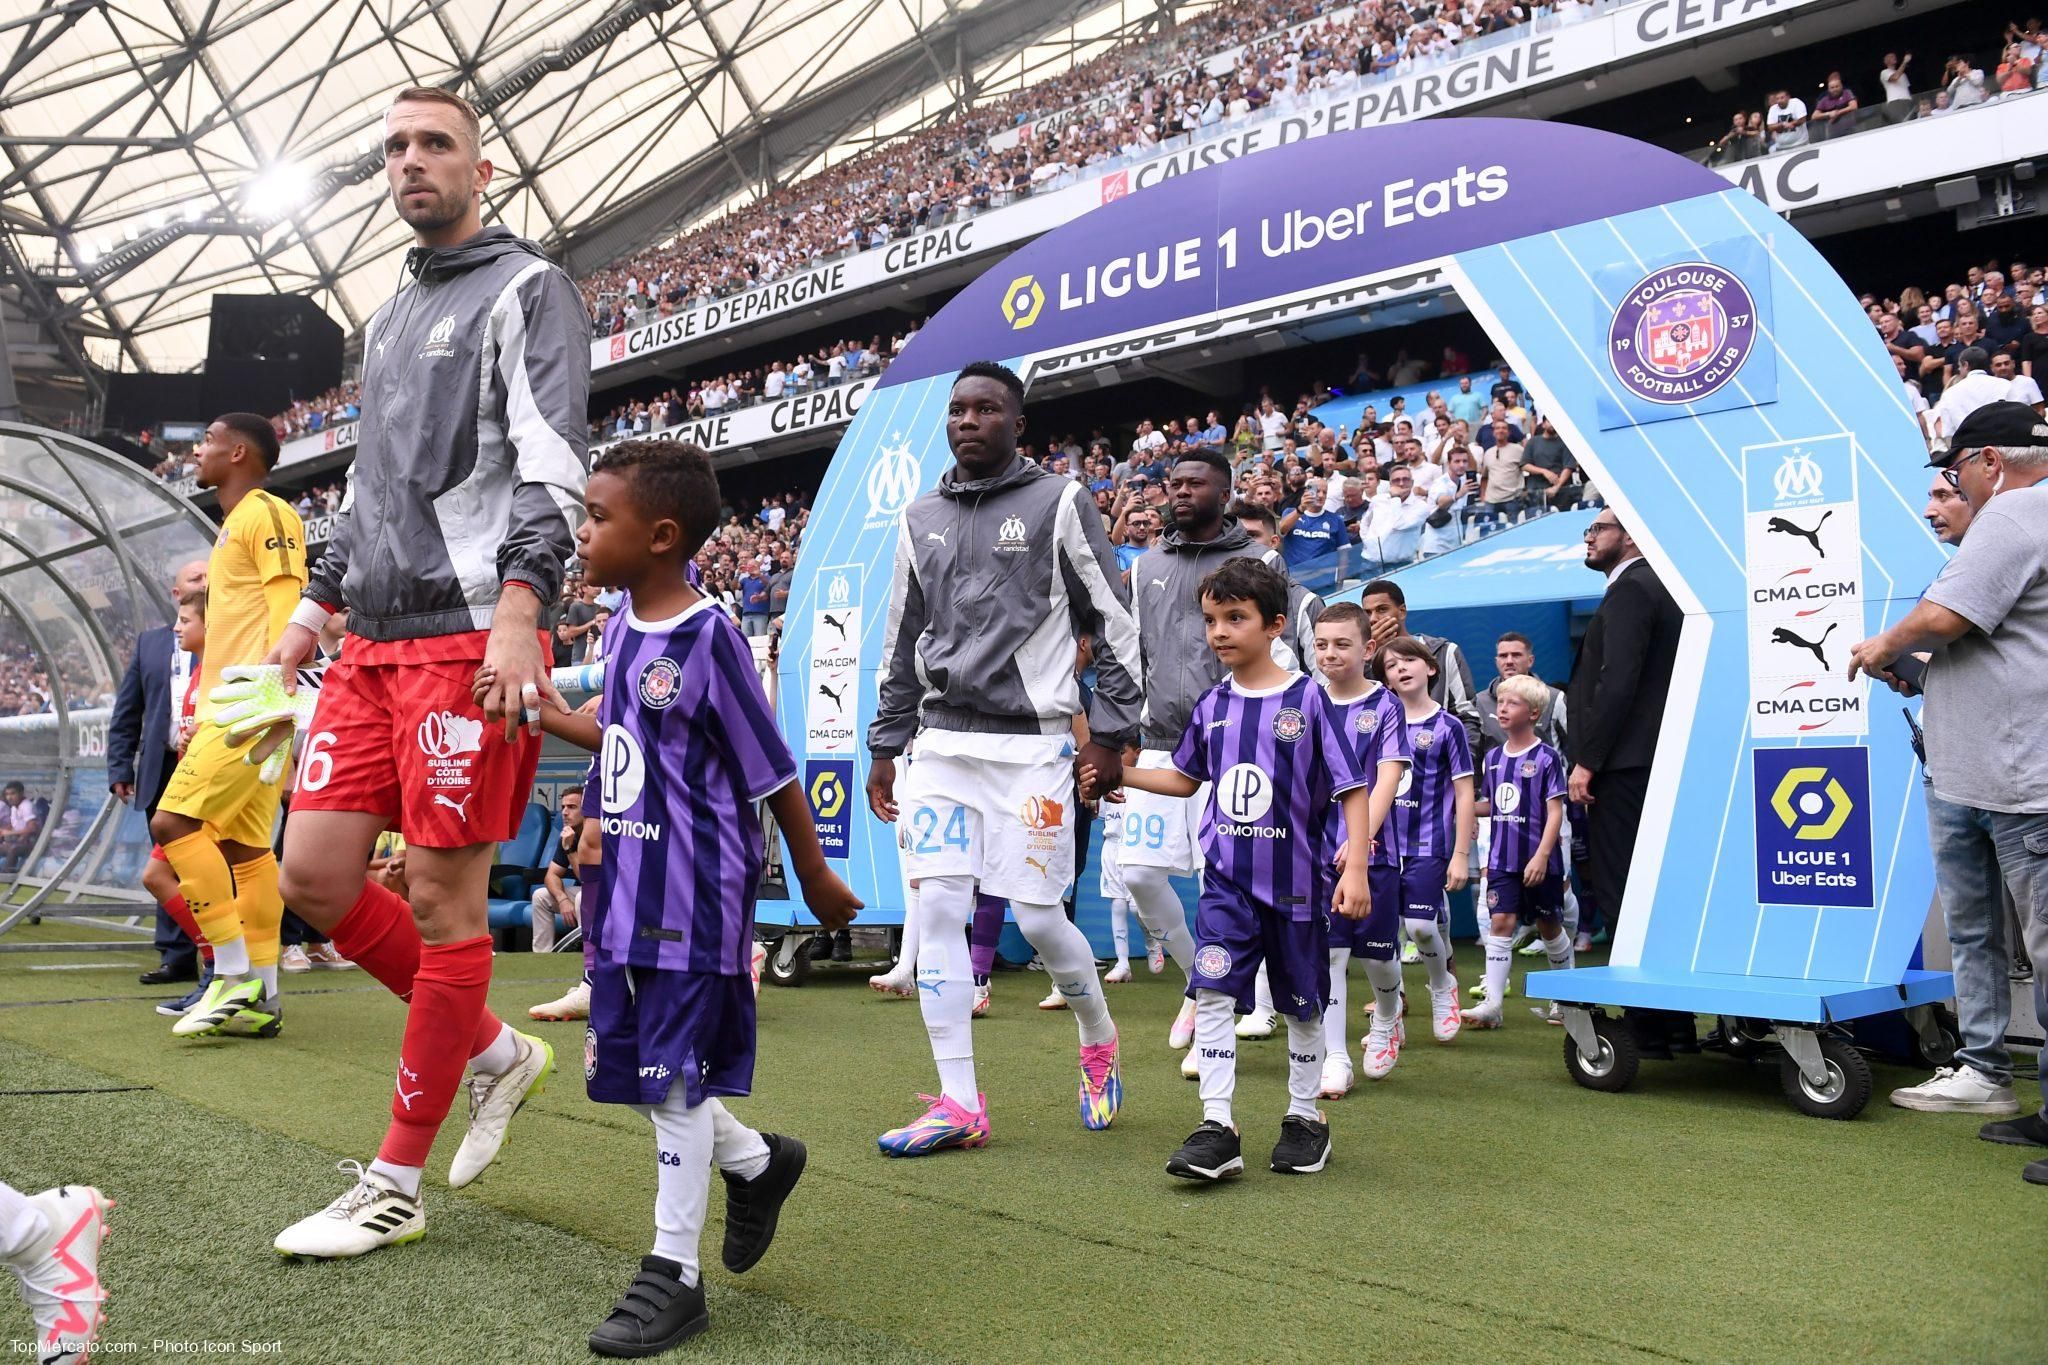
[142, 749]
[1616, 698]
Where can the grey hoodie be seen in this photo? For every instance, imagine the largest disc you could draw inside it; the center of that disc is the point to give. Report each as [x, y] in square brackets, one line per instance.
[1179, 665]
[471, 447]
[996, 581]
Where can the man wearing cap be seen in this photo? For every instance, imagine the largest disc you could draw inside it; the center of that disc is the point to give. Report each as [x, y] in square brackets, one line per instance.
[1985, 619]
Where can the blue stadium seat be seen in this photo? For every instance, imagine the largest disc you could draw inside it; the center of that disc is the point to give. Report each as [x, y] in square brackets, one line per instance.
[522, 862]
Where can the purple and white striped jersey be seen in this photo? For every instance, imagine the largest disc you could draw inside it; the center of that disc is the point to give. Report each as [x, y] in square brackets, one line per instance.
[1520, 785]
[690, 745]
[1377, 730]
[1425, 813]
[1275, 762]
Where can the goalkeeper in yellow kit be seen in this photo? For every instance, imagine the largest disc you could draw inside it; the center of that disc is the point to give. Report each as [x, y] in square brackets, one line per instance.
[216, 816]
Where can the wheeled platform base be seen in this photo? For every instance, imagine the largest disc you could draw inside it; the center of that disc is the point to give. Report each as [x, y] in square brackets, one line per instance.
[1821, 1071]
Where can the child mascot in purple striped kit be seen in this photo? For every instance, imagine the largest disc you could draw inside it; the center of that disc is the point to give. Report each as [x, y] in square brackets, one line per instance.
[687, 747]
[1266, 739]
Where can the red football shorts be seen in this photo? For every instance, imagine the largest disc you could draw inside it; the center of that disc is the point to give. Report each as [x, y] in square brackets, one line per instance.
[405, 741]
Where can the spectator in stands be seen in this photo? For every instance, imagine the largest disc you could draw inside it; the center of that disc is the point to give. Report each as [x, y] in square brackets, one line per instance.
[2019, 388]
[572, 632]
[1973, 386]
[754, 598]
[1450, 497]
[1502, 465]
[1392, 534]
[1897, 86]
[1834, 113]
[21, 820]
[780, 583]
[1310, 532]
[556, 895]
[1785, 121]
[1546, 457]
[1966, 84]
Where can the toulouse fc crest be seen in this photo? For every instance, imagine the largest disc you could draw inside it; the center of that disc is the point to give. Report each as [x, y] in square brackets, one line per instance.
[660, 682]
[1681, 333]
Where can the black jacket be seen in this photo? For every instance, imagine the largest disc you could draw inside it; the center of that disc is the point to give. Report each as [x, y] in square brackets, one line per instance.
[1623, 673]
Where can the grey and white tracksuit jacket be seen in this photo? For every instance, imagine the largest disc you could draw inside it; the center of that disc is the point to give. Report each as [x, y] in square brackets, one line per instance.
[469, 466]
[996, 582]
[1180, 668]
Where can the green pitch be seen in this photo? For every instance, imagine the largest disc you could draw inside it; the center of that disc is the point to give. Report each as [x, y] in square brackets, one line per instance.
[1479, 1206]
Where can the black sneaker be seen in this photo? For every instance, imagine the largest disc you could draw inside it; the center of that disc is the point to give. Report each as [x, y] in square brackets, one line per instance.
[821, 948]
[1211, 1152]
[752, 1206]
[164, 976]
[2035, 1172]
[1304, 1146]
[657, 1311]
[842, 946]
[2028, 1130]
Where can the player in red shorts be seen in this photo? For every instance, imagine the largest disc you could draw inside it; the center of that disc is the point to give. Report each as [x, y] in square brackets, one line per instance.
[460, 514]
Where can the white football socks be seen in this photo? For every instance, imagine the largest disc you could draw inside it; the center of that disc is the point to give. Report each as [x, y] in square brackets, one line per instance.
[1385, 975]
[268, 976]
[406, 1178]
[1216, 1054]
[497, 1059]
[1429, 943]
[1160, 911]
[231, 959]
[1498, 946]
[682, 1176]
[735, 1148]
[1262, 992]
[945, 984]
[22, 1224]
[1070, 962]
[1334, 1022]
[1560, 950]
[1120, 929]
[1305, 1065]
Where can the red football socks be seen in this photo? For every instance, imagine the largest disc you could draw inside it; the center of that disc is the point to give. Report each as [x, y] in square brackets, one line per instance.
[378, 935]
[448, 994]
[181, 915]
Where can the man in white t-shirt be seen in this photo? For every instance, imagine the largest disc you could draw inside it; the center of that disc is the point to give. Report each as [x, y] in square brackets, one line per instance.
[1272, 424]
[1897, 86]
[772, 383]
[1786, 121]
[1973, 387]
[2019, 388]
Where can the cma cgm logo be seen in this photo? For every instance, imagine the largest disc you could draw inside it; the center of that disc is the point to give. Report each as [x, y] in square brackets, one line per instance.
[1022, 302]
[892, 480]
[1821, 809]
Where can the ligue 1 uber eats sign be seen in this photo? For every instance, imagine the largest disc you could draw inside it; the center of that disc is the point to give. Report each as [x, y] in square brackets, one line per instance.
[1705, 364]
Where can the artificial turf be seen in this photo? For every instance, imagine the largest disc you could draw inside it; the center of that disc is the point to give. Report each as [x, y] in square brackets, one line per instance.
[1479, 1206]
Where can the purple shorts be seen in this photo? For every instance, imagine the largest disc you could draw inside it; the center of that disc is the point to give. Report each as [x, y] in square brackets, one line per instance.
[1373, 936]
[650, 1028]
[1422, 889]
[1234, 934]
[1505, 895]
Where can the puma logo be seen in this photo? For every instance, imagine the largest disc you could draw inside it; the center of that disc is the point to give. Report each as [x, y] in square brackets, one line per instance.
[835, 623]
[1782, 636]
[837, 700]
[1158, 582]
[939, 536]
[1783, 527]
[1043, 870]
[459, 807]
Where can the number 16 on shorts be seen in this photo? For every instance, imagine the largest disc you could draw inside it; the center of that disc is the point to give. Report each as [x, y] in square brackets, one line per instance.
[939, 840]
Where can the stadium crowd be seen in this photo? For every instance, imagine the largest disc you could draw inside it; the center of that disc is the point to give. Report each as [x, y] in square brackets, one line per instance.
[1786, 121]
[1235, 62]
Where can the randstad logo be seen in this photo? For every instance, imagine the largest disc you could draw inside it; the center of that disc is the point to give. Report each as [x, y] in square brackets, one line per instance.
[1797, 479]
[1820, 811]
[1022, 302]
[828, 795]
[892, 481]
[841, 592]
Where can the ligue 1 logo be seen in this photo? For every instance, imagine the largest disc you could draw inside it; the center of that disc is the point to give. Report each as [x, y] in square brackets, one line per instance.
[1682, 333]
[1290, 725]
[660, 682]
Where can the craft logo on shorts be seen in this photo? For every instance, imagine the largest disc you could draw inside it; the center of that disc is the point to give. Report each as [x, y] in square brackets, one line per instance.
[450, 744]
[589, 1054]
[1682, 333]
[1212, 961]
[660, 682]
[1290, 725]
[892, 481]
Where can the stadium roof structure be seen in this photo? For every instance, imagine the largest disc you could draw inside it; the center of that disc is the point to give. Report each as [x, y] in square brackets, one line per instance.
[156, 152]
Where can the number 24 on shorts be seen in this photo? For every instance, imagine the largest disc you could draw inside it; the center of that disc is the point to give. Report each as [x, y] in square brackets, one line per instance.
[926, 836]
